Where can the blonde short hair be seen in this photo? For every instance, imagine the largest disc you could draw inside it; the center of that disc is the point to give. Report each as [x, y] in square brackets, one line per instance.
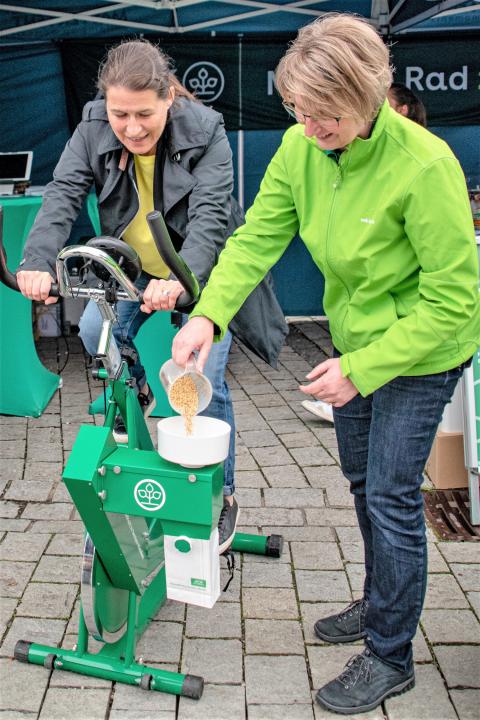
[339, 66]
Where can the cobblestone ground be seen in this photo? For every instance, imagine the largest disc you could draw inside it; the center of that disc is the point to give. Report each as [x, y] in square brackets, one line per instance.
[256, 649]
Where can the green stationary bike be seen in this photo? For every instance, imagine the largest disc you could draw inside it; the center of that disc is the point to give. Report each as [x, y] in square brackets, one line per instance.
[149, 523]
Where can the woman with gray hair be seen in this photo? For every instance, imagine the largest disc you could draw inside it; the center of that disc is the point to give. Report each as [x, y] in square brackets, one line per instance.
[381, 205]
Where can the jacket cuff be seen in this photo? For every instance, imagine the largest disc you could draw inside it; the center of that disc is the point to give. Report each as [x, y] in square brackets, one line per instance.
[36, 263]
[353, 376]
[345, 365]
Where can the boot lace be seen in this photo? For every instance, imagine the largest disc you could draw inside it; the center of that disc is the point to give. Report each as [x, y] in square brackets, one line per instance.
[354, 608]
[358, 667]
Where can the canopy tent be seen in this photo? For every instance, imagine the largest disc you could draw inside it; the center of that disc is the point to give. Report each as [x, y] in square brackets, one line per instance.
[49, 53]
[431, 15]
[42, 19]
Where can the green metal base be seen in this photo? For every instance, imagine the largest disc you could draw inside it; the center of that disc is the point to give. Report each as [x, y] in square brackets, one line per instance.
[116, 661]
[107, 668]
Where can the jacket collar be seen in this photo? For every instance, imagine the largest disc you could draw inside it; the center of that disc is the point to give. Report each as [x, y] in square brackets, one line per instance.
[184, 127]
[360, 148]
[108, 142]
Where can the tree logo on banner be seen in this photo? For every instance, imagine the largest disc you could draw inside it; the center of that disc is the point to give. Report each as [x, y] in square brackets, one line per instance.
[205, 80]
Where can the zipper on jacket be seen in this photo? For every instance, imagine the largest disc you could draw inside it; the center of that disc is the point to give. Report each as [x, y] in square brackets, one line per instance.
[336, 185]
[336, 156]
[338, 178]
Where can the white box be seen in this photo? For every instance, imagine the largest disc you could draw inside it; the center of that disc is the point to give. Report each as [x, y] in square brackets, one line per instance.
[193, 571]
[446, 464]
[452, 420]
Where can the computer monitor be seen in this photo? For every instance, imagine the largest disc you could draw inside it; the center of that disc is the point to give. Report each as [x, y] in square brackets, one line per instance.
[15, 166]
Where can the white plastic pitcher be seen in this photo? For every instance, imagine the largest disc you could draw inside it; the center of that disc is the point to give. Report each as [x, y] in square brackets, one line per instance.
[170, 371]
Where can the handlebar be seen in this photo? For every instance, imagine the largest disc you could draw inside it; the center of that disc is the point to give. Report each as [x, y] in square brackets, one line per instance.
[175, 263]
[128, 290]
[64, 287]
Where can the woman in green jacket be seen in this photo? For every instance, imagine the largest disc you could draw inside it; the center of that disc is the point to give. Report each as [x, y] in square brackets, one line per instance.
[381, 205]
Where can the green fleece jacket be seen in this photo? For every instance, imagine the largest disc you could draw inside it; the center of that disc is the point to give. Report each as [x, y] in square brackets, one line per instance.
[390, 228]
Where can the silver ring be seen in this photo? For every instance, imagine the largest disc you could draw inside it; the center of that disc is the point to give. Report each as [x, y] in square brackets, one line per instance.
[165, 292]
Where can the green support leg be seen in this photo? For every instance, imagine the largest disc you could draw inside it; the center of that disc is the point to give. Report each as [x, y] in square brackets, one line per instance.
[82, 640]
[131, 629]
[108, 668]
[269, 545]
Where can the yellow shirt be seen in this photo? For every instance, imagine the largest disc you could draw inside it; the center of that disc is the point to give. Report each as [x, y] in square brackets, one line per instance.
[138, 234]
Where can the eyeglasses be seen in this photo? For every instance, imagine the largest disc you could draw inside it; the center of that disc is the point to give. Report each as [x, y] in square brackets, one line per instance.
[302, 117]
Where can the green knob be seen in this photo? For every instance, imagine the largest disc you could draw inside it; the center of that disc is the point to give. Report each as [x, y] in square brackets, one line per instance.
[183, 546]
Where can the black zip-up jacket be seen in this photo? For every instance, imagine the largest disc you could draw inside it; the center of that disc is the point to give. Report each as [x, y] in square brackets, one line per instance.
[192, 188]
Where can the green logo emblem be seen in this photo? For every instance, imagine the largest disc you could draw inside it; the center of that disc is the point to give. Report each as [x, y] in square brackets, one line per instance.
[197, 582]
[149, 494]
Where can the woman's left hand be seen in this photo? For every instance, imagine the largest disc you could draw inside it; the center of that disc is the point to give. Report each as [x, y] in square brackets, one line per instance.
[329, 384]
[161, 295]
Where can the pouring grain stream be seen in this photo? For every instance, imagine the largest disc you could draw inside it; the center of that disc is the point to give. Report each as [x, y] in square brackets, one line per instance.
[184, 398]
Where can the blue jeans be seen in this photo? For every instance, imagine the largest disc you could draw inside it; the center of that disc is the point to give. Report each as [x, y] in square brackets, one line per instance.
[130, 320]
[384, 441]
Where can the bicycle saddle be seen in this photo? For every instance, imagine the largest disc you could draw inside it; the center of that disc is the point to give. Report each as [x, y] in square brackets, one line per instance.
[124, 255]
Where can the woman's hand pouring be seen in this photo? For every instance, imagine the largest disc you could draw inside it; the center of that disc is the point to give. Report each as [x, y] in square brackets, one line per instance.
[161, 295]
[329, 384]
[197, 334]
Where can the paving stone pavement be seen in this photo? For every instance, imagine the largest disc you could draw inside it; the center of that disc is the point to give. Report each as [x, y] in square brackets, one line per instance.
[256, 648]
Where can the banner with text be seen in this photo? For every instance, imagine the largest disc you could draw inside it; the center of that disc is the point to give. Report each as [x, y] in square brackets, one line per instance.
[236, 76]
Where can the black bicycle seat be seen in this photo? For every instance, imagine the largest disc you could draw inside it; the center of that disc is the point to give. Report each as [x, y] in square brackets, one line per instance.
[124, 255]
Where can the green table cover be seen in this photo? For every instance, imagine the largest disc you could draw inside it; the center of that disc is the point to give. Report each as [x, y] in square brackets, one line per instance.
[26, 385]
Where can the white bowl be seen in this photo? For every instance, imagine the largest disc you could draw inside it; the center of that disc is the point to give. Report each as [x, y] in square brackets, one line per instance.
[208, 443]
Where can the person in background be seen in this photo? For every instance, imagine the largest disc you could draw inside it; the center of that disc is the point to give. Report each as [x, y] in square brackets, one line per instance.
[381, 205]
[405, 102]
[151, 145]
